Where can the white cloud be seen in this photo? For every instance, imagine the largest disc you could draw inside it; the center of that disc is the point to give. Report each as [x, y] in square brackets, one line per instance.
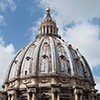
[97, 79]
[85, 36]
[2, 21]
[74, 9]
[7, 52]
[4, 4]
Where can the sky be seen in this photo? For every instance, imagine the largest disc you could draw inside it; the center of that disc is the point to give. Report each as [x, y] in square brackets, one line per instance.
[78, 22]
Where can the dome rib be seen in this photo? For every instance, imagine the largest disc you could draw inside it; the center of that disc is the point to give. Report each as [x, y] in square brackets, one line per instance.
[37, 52]
[10, 66]
[28, 61]
[20, 60]
[69, 56]
[88, 69]
[54, 56]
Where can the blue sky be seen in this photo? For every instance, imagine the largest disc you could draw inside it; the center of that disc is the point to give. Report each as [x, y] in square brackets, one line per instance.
[78, 22]
[19, 21]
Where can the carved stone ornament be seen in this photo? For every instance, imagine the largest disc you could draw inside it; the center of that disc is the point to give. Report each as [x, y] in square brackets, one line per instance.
[26, 81]
[12, 84]
[79, 82]
[45, 80]
[64, 80]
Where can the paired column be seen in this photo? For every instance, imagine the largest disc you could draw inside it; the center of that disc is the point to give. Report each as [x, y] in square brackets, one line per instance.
[94, 96]
[78, 94]
[58, 96]
[12, 95]
[31, 94]
[55, 93]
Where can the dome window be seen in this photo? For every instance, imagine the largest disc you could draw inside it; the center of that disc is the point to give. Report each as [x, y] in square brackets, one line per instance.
[70, 46]
[45, 56]
[45, 43]
[79, 68]
[62, 57]
[16, 61]
[86, 74]
[28, 58]
[25, 72]
[76, 59]
[64, 64]
[44, 64]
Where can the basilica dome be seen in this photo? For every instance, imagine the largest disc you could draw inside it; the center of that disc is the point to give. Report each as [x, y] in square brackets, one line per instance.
[48, 62]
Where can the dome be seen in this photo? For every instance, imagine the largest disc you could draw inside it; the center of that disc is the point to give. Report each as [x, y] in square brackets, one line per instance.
[49, 55]
[47, 62]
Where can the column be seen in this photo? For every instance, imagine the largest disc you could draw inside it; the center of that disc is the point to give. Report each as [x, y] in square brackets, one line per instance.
[58, 96]
[53, 96]
[76, 96]
[42, 30]
[14, 97]
[45, 29]
[33, 96]
[9, 98]
[28, 96]
[49, 29]
[53, 29]
[56, 93]
[78, 93]
[80, 96]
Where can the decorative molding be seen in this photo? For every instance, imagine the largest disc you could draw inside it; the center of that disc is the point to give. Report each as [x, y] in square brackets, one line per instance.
[26, 81]
[64, 80]
[12, 84]
[45, 80]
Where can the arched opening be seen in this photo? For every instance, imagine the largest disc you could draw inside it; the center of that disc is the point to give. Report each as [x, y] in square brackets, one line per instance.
[47, 29]
[64, 64]
[51, 29]
[44, 65]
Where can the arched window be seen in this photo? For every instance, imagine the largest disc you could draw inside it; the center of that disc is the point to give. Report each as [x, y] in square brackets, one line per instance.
[78, 67]
[64, 64]
[44, 64]
[14, 69]
[26, 66]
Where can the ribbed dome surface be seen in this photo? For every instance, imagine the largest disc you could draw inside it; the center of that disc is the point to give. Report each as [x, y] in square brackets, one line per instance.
[49, 55]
